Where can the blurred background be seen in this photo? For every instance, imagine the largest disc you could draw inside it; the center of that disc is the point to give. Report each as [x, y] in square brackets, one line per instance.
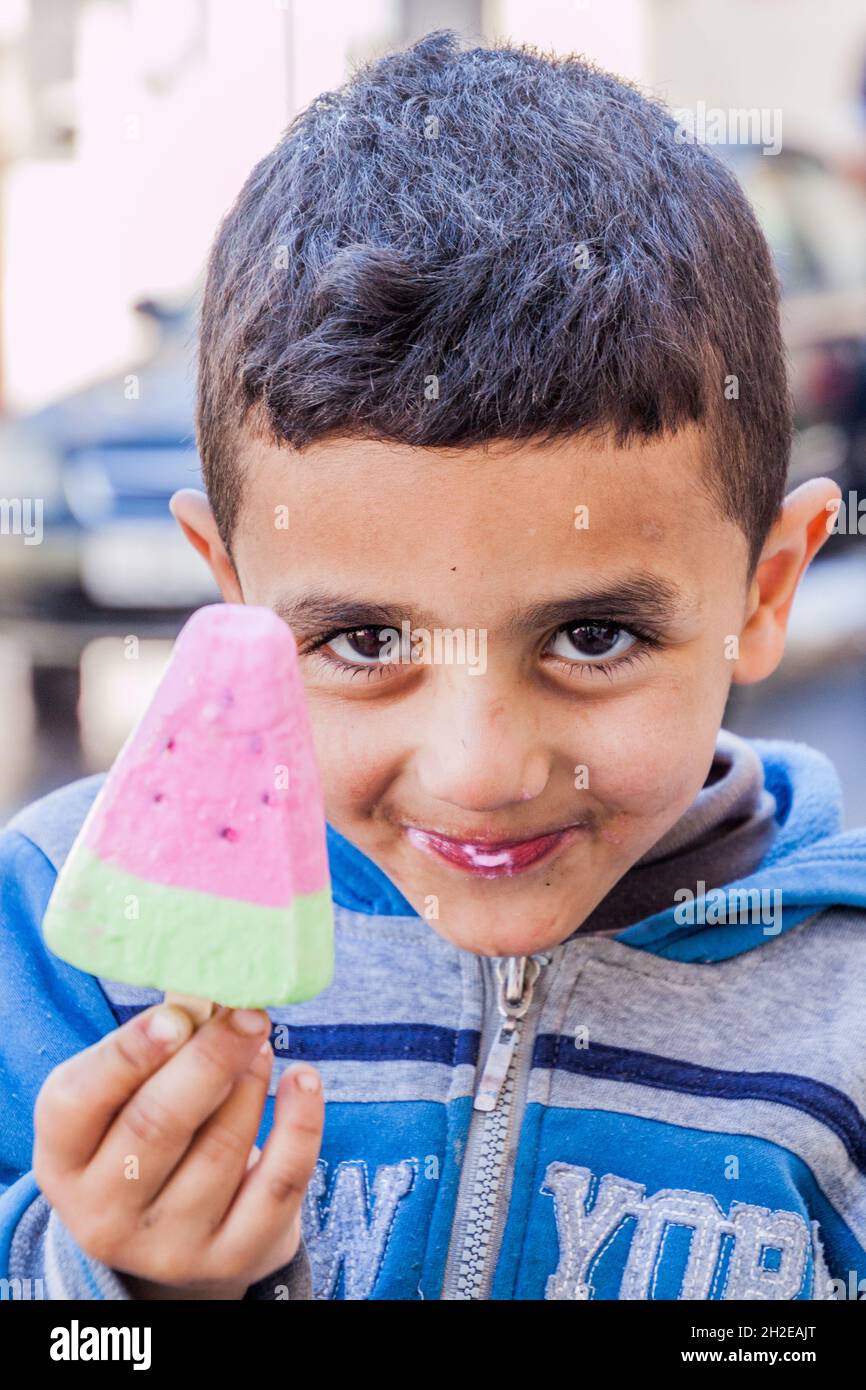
[127, 128]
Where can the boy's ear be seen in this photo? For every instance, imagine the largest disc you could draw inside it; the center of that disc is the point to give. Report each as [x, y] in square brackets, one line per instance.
[804, 524]
[192, 511]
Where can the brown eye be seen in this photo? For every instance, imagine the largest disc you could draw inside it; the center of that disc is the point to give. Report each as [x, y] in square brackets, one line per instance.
[592, 642]
[364, 641]
[362, 644]
[593, 639]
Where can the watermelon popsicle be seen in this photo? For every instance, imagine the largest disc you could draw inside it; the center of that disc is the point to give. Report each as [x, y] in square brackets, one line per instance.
[202, 867]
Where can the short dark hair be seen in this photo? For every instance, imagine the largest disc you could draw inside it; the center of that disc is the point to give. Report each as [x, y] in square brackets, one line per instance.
[465, 245]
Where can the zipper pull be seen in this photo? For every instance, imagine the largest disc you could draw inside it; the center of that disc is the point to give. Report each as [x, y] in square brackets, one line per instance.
[516, 985]
[496, 1067]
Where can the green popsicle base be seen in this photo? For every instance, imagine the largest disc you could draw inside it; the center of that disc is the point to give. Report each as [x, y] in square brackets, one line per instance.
[240, 954]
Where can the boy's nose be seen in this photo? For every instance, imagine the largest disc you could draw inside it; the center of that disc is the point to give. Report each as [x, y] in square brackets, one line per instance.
[481, 752]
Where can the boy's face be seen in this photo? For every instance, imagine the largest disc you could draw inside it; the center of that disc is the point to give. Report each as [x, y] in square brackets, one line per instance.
[587, 601]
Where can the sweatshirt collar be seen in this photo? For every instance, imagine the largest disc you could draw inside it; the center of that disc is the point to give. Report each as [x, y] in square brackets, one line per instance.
[360, 885]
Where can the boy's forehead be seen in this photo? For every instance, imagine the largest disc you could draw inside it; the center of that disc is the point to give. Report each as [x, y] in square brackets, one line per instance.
[395, 518]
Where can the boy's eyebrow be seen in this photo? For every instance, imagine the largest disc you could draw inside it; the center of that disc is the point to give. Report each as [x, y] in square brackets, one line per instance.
[637, 598]
[317, 610]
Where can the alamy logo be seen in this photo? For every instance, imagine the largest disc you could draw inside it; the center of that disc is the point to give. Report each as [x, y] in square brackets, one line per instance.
[439, 646]
[355, 1231]
[584, 1233]
[77, 1343]
[755, 906]
[22, 516]
[712, 125]
[22, 1290]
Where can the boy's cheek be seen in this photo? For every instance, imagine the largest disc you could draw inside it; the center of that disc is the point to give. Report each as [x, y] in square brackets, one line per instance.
[649, 760]
[350, 788]
[348, 754]
[653, 784]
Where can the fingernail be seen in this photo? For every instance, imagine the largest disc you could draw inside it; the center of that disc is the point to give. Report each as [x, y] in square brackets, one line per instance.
[307, 1080]
[166, 1026]
[265, 1047]
[249, 1021]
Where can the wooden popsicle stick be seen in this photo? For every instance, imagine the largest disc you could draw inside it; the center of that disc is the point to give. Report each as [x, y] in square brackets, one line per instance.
[199, 1010]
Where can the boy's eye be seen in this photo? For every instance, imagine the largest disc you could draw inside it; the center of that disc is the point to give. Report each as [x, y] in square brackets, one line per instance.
[583, 648]
[359, 645]
[592, 642]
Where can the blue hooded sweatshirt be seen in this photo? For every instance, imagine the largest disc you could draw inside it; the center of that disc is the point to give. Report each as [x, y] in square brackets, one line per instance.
[678, 1112]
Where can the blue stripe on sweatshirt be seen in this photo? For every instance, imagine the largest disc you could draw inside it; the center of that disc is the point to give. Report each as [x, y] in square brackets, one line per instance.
[365, 1042]
[422, 1042]
[815, 1098]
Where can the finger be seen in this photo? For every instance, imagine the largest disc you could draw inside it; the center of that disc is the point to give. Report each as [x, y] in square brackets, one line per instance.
[81, 1097]
[204, 1184]
[271, 1192]
[153, 1131]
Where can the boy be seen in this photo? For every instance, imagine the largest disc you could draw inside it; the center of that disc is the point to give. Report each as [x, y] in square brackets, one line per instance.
[489, 356]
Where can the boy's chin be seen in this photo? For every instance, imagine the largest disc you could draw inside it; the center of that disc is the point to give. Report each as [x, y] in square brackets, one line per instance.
[521, 933]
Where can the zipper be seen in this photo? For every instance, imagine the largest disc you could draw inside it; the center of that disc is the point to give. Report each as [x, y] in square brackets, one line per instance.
[499, 1096]
[516, 984]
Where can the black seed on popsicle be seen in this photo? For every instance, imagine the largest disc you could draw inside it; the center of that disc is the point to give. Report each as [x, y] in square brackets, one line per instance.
[159, 796]
[229, 834]
[169, 743]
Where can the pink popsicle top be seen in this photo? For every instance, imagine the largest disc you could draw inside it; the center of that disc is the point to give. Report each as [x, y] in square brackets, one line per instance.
[217, 789]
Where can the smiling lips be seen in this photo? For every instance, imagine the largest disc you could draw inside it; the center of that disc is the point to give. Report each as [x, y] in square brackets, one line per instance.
[487, 859]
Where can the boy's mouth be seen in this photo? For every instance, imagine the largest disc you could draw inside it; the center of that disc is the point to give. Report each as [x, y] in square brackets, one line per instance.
[489, 858]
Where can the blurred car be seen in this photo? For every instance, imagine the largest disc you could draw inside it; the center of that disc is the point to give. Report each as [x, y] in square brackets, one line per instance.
[104, 462]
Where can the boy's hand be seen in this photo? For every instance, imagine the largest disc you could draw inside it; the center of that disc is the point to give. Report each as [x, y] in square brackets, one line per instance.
[145, 1148]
